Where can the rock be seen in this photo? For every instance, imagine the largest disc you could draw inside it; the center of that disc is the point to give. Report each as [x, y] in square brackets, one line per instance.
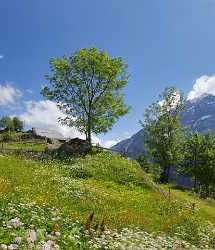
[74, 146]
[48, 245]
[14, 223]
[31, 236]
[57, 234]
[18, 240]
[12, 247]
[52, 141]
[3, 247]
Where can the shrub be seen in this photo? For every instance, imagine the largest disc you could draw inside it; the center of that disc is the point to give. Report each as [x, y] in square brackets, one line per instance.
[80, 172]
[9, 136]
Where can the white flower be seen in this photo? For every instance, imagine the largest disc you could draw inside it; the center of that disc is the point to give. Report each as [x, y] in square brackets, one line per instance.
[3, 247]
[57, 234]
[18, 240]
[12, 247]
[31, 236]
[14, 223]
[48, 245]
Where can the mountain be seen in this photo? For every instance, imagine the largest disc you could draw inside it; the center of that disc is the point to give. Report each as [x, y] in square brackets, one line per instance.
[132, 146]
[198, 114]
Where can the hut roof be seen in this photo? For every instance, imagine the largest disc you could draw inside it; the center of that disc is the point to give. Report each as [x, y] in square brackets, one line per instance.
[52, 134]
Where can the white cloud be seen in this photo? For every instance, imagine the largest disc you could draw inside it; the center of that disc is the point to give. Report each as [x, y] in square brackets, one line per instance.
[8, 94]
[203, 85]
[45, 114]
[1, 56]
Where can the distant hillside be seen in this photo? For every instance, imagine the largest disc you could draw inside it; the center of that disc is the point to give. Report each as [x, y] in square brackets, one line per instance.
[198, 113]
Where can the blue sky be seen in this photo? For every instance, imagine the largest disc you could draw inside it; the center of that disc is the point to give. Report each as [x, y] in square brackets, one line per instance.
[164, 42]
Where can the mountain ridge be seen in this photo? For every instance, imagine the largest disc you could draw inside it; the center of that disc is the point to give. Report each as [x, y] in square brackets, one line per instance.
[198, 114]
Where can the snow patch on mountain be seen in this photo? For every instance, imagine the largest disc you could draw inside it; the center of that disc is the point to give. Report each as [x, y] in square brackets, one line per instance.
[204, 117]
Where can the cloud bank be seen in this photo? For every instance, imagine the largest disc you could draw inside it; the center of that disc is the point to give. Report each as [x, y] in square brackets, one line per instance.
[203, 85]
[45, 114]
[8, 94]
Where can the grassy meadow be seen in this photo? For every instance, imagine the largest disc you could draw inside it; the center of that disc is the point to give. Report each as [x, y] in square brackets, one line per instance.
[101, 201]
[25, 146]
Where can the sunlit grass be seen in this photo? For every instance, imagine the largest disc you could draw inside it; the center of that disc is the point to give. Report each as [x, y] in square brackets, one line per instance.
[206, 206]
[114, 188]
[28, 146]
[47, 183]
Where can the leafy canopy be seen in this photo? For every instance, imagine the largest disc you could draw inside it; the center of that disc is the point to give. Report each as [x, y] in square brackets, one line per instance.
[87, 88]
[11, 124]
[163, 132]
[17, 124]
[199, 161]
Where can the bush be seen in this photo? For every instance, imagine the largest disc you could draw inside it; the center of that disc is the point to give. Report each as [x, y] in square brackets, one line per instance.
[80, 172]
[110, 167]
[9, 136]
[148, 167]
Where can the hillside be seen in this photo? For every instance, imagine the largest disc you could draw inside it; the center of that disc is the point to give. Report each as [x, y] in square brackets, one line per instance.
[100, 201]
[198, 114]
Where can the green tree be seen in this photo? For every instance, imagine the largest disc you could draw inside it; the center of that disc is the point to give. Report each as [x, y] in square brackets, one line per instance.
[17, 124]
[148, 166]
[87, 88]
[144, 162]
[163, 134]
[192, 161]
[6, 123]
[11, 124]
[199, 161]
[205, 174]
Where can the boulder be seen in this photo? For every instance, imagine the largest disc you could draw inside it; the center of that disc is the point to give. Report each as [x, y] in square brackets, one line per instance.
[74, 146]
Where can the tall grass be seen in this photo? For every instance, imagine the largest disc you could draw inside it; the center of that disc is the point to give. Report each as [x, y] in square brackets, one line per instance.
[115, 189]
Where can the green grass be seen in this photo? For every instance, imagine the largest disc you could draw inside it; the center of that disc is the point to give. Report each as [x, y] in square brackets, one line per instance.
[50, 184]
[28, 146]
[206, 206]
[116, 189]
[109, 185]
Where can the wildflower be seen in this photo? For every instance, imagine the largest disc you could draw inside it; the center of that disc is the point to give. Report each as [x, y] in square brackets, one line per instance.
[48, 245]
[18, 240]
[3, 247]
[12, 247]
[57, 234]
[31, 236]
[14, 223]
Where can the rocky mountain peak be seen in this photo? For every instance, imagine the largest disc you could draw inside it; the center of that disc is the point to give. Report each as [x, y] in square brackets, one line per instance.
[198, 114]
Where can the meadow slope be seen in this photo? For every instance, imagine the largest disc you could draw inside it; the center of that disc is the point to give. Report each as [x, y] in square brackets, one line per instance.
[100, 201]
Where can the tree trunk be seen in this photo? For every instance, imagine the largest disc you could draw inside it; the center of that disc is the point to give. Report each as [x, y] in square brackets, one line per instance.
[207, 190]
[164, 178]
[89, 138]
[195, 184]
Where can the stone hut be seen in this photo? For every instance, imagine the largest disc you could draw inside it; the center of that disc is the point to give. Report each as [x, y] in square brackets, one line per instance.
[47, 135]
